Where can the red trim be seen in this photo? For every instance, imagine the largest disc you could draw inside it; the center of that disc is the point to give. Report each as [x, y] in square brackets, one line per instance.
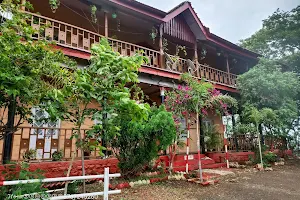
[136, 9]
[176, 12]
[1, 182]
[226, 88]
[73, 53]
[159, 73]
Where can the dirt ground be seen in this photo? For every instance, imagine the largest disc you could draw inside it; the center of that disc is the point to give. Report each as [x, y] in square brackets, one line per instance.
[280, 184]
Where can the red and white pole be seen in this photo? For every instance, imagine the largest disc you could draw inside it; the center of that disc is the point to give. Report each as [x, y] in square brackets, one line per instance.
[187, 147]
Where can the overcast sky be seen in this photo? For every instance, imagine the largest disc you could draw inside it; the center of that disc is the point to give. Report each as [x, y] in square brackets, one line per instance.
[230, 19]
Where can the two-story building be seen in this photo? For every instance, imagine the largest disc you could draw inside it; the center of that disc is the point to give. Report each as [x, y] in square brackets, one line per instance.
[131, 26]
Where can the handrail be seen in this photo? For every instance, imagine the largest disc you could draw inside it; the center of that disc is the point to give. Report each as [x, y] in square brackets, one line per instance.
[64, 23]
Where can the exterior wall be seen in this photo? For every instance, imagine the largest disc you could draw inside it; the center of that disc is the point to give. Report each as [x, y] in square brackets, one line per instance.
[215, 119]
[59, 169]
[21, 137]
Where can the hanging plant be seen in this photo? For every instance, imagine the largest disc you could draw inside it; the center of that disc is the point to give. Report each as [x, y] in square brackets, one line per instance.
[153, 34]
[165, 45]
[54, 4]
[180, 48]
[93, 14]
[119, 25]
[203, 53]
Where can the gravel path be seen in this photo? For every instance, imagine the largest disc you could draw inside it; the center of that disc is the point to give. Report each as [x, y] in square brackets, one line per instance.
[280, 184]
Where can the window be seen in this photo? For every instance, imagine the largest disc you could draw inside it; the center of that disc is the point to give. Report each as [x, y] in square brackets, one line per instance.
[183, 130]
[42, 131]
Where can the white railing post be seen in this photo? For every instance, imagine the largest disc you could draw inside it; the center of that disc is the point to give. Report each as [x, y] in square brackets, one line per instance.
[106, 183]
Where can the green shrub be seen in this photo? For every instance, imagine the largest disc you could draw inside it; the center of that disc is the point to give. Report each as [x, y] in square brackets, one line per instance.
[57, 155]
[11, 173]
[140, 141]
[212, 137]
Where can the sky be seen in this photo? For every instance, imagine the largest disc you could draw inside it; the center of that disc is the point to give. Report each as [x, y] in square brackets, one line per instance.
[232, 20]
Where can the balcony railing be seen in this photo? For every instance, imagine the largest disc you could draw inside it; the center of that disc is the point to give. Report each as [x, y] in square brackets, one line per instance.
[71, 36]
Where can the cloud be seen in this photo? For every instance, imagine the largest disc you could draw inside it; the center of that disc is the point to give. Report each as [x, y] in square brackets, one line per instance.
[230, 19]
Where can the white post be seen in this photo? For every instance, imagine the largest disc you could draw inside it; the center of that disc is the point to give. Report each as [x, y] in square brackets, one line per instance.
[259, 147]
[187, 148]
[226, 156]
[106, 183]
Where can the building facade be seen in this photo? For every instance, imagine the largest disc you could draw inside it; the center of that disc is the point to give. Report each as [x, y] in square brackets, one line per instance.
[174, 42]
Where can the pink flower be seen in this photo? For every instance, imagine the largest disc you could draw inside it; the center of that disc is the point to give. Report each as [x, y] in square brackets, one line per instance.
[204, 112]
[215, 92]
[179, 87]
[184, 112]
[186, 96]
[187, 88]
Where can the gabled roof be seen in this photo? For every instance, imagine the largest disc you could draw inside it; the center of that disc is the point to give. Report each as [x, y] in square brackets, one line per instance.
[200, 31]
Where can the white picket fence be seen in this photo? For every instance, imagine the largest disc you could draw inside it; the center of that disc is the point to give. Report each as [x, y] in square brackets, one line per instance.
[106, 176]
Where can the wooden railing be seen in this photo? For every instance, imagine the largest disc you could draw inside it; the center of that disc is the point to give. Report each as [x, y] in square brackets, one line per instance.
[47, 140]
[77, 38]
[242, 143]
[67, 35]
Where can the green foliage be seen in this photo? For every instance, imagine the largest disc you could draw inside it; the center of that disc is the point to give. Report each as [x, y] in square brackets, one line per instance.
[29, 155]
[264, 86]
[57, 155]
[267, 157]
[262, 91]
[103, 82]
[279, 38]
[195, 97]
[73, 187]
[54, 5]
[29, 69]
[21, 172]
[140, 141]
[212, 137]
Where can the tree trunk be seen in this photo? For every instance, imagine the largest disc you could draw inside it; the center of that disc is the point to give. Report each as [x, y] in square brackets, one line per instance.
[8, 137]
[82, 157]
[198, 145]
[202, 135]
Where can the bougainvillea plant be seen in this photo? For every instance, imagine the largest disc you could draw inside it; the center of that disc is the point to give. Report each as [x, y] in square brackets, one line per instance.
[194, 97]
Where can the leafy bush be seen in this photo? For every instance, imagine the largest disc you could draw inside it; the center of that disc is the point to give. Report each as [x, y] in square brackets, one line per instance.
[29, 155]
[21, 172]
[140, 141]
[57, 155]
[212, 137]
[267, 157]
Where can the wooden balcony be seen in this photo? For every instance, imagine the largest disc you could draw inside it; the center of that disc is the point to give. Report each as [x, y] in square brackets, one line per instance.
[74, 37]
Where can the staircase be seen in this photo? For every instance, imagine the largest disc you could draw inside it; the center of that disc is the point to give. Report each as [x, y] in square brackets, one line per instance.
[206, 163]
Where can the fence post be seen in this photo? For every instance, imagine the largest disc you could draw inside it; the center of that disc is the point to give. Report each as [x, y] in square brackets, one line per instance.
[106, 183]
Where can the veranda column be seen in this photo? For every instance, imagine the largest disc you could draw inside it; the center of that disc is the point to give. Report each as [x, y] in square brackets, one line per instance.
[228, 72]
[105, 24]
[23, 5]
[161, 50]
[196, 59]
[162, 94]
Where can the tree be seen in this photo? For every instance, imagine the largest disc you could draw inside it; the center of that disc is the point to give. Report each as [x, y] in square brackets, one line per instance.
[103, 82]
[196, 97]
[29, 70]
[266, 88]
[279, 38]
